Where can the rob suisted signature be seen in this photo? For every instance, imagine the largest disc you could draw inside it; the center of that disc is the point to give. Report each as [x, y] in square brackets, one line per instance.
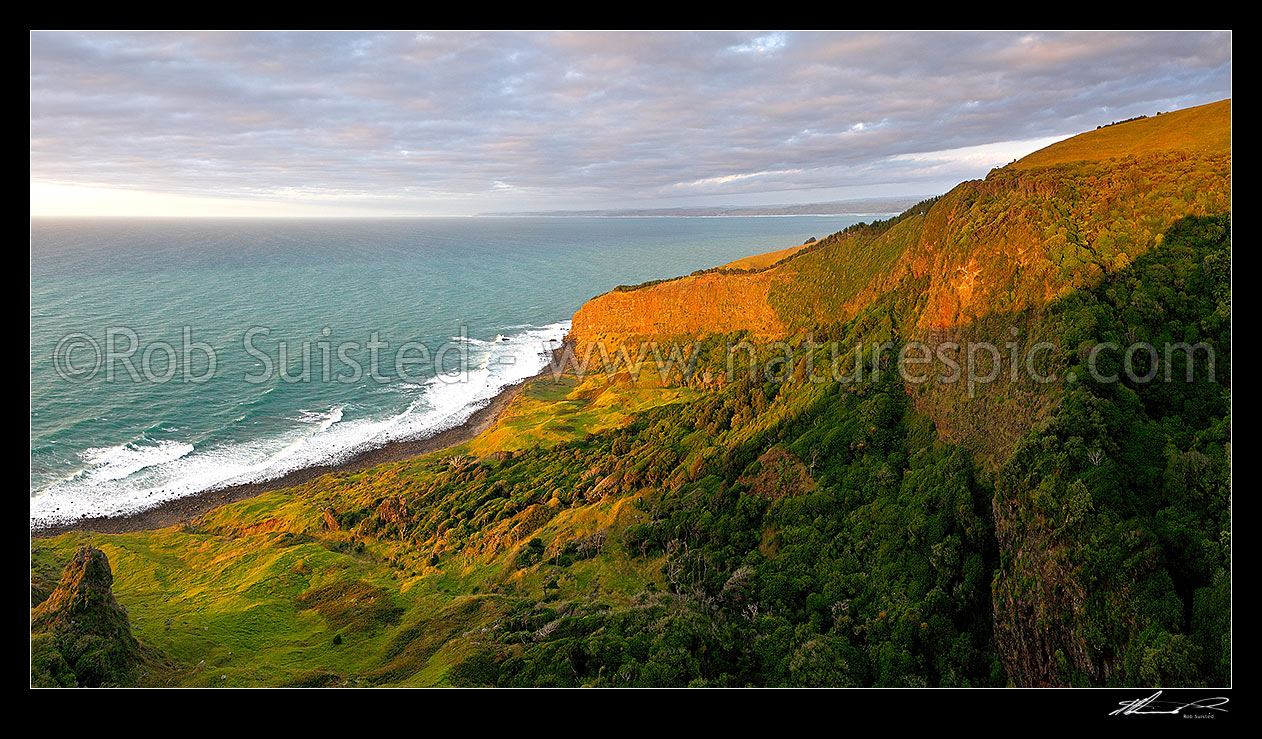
[1151, 705]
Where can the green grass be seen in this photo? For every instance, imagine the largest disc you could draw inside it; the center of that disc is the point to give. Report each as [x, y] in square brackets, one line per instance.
[549, 411]
[255, 593]
[263, 609]
[1205, 129]
[227, 601]
[763, 261]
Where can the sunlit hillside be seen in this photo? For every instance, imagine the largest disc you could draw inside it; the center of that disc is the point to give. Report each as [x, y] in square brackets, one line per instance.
[772, 528]
[763, 261]
[1055, 221]
[1205, 129]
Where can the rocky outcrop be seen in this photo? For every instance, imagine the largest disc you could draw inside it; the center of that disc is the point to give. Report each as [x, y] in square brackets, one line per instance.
[80, 635]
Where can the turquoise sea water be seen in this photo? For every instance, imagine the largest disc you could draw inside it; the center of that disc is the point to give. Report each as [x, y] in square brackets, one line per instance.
[489, 294]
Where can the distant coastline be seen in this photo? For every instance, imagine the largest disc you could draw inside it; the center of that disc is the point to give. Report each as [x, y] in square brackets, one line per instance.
[867, 207]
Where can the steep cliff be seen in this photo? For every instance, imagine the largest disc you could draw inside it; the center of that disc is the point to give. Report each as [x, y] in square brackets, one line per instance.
[978, 264]
[1108, 547]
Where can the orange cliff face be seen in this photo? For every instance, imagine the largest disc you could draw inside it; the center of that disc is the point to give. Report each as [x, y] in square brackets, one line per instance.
[1024, 237]
[689, 306]
[822, 282]
[1028, 234]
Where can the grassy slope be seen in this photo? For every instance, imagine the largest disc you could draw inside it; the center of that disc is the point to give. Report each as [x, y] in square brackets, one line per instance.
[229, 590]
[549, 411]
[1205, 129]
[231, 599]
[763, 261]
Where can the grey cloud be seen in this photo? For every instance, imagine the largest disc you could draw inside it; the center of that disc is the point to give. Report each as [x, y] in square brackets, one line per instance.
[448, 122]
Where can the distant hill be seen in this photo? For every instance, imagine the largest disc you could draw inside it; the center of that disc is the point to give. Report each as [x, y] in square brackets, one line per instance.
[837, 208]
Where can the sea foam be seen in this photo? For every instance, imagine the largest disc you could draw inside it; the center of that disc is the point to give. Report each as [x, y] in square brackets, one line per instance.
[132, 477]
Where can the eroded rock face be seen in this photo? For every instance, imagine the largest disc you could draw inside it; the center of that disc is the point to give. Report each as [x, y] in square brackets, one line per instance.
[80, 635]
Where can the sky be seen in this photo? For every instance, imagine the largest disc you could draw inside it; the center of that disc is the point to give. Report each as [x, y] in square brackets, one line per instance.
[364, 124]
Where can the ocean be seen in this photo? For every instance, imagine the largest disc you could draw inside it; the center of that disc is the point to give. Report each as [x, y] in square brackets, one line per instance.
[170, 357]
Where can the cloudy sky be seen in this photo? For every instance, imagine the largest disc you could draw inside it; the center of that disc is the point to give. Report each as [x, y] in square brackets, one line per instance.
[457, 123]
